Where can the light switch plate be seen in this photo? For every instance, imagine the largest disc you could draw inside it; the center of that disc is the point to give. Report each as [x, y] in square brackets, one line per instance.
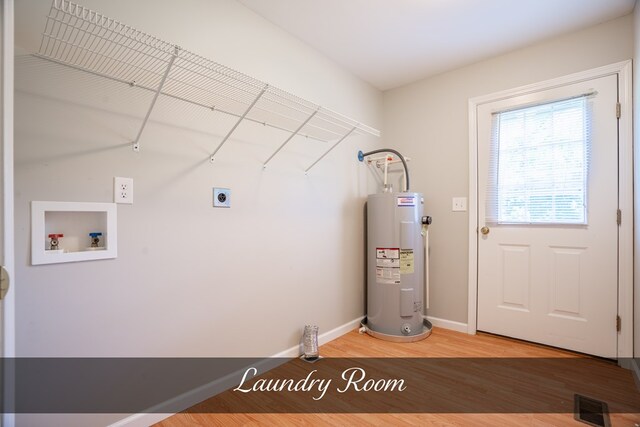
[221, 198]
[459, 204]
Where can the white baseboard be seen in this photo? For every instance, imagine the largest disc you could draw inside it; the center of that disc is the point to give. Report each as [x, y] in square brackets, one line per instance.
[141, 420]
[331, 335]
[192, 397]
[635, 370]
[448, 324]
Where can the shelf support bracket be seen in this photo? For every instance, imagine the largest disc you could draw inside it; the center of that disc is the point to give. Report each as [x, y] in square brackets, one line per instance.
[291, 137]
[332, 147]
[136, 142]
[255, 101]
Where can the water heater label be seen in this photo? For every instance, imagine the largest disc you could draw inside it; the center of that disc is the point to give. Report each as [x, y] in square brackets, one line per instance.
[406, 261]
[388, 266]
[388, 253]
[386, 262]
[389, 276]
[406, 201]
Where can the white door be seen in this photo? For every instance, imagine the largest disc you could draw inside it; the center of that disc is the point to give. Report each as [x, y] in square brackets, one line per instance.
[7, 338]
[547, 205]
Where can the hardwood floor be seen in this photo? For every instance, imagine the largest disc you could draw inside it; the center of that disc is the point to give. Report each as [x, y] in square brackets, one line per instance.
[443, 343]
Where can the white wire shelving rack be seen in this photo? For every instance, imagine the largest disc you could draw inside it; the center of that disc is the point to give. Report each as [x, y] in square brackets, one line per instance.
[83, 39]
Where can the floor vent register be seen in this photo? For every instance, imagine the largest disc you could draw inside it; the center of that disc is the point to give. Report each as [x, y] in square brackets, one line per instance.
[591, 411]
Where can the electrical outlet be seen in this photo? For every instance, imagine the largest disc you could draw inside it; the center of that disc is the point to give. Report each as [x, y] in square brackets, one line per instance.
[221, 198]
[459, 204]
[123, 190]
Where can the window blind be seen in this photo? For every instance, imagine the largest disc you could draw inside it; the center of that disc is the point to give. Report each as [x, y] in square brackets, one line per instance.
[538, 166]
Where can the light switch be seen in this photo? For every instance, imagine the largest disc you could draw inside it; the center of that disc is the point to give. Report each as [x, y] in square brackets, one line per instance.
[459, 204]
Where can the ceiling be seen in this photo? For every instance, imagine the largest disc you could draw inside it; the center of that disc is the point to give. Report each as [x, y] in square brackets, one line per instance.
[389, 43]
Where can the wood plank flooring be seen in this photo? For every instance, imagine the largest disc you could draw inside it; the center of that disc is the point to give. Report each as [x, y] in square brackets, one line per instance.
[441, 344]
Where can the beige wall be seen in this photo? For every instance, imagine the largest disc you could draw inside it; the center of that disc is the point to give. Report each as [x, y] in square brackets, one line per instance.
[636, 155]
[189, 280]
[274, 253]
[428, 121]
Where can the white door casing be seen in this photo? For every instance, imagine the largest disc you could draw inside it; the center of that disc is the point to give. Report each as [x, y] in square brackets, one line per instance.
[7, 305]
[571, 256]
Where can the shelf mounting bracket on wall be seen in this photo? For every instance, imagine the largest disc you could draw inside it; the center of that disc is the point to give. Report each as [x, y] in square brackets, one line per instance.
[257, 98]
[329, 150]
[291, 137]
[136, 142]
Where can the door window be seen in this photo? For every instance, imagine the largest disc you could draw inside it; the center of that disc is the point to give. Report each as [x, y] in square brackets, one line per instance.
[539, 164]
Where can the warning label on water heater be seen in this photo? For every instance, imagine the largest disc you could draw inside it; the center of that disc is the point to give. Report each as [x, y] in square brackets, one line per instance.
[406, 201]
[387, 253]
[388, 266]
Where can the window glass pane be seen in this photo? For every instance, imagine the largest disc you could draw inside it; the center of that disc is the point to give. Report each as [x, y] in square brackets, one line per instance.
[539, 164]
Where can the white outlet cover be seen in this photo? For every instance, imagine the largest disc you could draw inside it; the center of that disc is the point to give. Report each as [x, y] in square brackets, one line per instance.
[123, 190]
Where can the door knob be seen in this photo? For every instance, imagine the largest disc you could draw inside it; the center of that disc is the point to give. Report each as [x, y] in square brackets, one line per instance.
[485, 230]
[4, 282]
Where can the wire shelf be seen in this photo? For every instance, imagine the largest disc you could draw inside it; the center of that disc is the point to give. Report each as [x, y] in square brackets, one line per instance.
[86, 40]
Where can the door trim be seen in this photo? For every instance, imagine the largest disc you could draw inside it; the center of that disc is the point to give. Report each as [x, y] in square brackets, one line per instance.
[7, 216]
[6, 124]
[625, 191]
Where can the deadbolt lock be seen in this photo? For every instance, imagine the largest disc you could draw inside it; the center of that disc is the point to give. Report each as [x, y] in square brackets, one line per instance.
[485, 230]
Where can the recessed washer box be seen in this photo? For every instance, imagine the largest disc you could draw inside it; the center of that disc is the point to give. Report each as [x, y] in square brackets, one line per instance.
[75, 220]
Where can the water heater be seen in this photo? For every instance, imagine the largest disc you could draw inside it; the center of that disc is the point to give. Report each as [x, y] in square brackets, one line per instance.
[396, 228]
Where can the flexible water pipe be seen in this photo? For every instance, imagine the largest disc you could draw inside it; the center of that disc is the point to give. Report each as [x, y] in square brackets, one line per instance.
[400, 156]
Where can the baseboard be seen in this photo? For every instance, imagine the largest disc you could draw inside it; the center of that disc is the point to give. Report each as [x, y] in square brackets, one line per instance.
[448, 324]
[141, 420]
[192, 397]
[324, 338]
[635, 370]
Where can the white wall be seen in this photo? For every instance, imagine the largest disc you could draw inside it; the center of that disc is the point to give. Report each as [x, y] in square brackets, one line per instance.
[428, 121]
[189, 280]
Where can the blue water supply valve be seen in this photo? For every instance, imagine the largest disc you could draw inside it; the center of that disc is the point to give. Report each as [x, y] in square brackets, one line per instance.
[95, 238]
[360, 156]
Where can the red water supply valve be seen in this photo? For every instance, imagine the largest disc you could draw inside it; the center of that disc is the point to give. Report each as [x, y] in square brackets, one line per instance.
[54, 240]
